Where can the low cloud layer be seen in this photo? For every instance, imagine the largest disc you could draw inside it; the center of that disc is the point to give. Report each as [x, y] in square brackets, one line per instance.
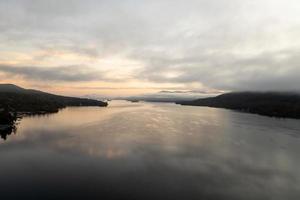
[64, 73]
[277, 70]
[210, 44]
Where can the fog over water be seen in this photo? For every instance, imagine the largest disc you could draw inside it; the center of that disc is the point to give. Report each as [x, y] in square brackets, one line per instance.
[151, 151]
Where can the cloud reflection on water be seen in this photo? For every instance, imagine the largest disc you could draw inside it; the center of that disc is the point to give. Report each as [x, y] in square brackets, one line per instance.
[153, 151]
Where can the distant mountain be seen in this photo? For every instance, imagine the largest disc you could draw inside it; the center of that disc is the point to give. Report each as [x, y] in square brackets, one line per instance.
[276, 104]
[169, 96]
[15, 98]
[155, 99]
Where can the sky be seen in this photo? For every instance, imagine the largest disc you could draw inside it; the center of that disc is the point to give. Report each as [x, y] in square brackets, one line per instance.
[131, 47]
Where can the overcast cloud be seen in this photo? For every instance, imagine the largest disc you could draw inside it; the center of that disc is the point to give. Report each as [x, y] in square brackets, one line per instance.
[63, 73]
[217, 44]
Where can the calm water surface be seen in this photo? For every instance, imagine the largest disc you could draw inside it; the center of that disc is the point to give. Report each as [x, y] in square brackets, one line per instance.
[151, 151]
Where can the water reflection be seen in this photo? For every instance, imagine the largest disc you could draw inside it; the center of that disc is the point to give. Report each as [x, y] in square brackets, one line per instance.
[8, 130]
[151, 151]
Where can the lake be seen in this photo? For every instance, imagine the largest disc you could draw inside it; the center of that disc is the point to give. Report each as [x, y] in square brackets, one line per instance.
[151, 151]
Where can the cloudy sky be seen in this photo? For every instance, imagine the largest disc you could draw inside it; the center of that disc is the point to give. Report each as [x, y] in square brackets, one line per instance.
[125, 47]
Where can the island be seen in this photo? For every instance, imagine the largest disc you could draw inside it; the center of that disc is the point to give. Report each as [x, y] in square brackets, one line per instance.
[16, 101]
[273, 104]
[134, 101]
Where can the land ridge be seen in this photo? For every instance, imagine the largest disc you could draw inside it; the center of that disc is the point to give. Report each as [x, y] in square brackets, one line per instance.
[273, 104]
[16, 101]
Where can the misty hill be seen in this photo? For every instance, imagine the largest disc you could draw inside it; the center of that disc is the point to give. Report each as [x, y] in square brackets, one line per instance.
[276, 104]
[15, 98]
[155, 99]
[165, 96]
